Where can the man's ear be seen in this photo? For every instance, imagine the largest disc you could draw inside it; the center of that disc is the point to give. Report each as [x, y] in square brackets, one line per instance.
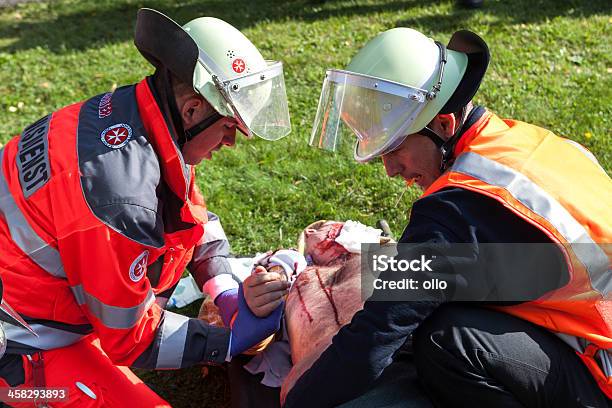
[193, 110]
[446, 123]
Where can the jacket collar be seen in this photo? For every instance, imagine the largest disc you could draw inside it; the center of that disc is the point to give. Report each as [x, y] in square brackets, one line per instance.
[175, 172]
[476, 121]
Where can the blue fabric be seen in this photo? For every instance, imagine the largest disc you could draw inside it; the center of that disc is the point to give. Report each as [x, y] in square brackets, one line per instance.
[227, 302]
[248, 329]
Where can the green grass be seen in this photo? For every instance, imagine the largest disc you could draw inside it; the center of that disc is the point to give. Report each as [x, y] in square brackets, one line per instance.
[551, 66]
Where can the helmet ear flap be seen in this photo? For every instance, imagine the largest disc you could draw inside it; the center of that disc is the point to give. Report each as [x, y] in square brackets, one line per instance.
[165, 44]
[478, 57]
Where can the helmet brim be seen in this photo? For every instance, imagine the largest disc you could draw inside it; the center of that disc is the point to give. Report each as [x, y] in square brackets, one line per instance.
[165, 44]
[478, 55]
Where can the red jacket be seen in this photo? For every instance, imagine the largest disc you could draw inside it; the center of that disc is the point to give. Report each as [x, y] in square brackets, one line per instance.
[100, 215]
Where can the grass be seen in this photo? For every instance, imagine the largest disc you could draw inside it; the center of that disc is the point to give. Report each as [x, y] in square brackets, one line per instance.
[551, 66]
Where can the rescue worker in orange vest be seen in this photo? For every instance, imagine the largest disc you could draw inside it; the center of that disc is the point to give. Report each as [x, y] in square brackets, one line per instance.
[100, 215]
[489, 183]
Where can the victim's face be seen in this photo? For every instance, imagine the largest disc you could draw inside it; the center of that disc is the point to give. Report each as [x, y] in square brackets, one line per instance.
[321, 244]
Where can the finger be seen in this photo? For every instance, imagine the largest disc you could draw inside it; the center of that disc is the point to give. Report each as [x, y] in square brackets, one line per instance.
[268, 298]
[269, 308]
[263, 277]
[259, 269]
[272, 286]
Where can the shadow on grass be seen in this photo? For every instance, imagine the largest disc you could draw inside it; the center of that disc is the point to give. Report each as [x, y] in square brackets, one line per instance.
[510, 12]
[95, 23]
[92, 23]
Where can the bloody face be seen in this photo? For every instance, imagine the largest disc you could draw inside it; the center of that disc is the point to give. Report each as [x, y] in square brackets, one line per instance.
[321, 244]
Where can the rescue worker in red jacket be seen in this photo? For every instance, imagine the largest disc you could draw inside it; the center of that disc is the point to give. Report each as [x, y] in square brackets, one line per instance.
[101, 215]
[528, 214]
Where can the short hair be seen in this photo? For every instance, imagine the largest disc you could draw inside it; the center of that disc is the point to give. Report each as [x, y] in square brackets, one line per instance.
[180, 87]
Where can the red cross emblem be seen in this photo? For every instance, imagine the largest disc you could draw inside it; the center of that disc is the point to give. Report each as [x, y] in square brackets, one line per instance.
[139, 266]
[116, 136]
[238, 65]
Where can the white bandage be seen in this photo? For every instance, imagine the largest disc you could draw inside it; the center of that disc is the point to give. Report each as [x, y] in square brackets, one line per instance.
[354, 233]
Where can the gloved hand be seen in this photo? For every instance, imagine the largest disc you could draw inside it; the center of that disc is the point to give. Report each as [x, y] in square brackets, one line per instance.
[227, 302]
[248, 329]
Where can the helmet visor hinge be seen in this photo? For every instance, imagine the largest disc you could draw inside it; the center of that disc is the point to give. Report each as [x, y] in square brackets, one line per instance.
[431, 95]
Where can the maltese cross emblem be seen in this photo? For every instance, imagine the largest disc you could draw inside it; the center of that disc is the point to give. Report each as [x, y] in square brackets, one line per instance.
[116, 136]
[238, 66]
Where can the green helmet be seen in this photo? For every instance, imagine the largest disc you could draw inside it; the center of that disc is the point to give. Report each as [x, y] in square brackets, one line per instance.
[223, 66]
[229, 50]
[394, 86]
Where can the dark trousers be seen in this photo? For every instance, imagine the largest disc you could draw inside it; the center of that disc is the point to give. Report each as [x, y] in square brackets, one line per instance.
[464, 356]
[471, 356]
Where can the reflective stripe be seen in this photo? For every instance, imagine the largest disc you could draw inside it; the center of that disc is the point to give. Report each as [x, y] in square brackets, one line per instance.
[213, 230]
[43, 254]
[218, 284]
[577, 343]
[114, 317]
[540, 202]
[48, 337]
[605, 358]
[173, 338]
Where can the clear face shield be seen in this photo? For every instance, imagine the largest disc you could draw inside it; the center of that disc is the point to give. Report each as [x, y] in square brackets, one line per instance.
[258, 100]
[377, 111]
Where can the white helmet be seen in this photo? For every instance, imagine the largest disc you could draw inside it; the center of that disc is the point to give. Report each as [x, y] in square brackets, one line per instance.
[223, 66]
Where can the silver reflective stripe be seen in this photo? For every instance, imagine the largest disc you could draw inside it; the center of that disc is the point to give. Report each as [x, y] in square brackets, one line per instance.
[48, 337]
[605, 360]
[540, 202]
[577, 343]
[43, 254]
[603, 357]
[213, 231]
[114, 317]
[173, 338]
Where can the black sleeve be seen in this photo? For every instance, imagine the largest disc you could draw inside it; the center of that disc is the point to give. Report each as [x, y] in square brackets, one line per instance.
[183, 342]
[364, 348]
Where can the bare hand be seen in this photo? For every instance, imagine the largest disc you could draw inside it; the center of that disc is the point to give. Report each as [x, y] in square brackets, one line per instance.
[264, 291]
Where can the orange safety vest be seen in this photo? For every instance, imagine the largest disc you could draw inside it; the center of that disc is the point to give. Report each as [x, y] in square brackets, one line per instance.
[558, 186]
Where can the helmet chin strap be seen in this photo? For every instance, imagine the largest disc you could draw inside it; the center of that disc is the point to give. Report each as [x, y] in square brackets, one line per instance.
[446, 147]
[201, 126]
[183, 135]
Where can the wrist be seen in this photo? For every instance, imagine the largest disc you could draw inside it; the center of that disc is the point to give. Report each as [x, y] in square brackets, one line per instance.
[227, 302]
